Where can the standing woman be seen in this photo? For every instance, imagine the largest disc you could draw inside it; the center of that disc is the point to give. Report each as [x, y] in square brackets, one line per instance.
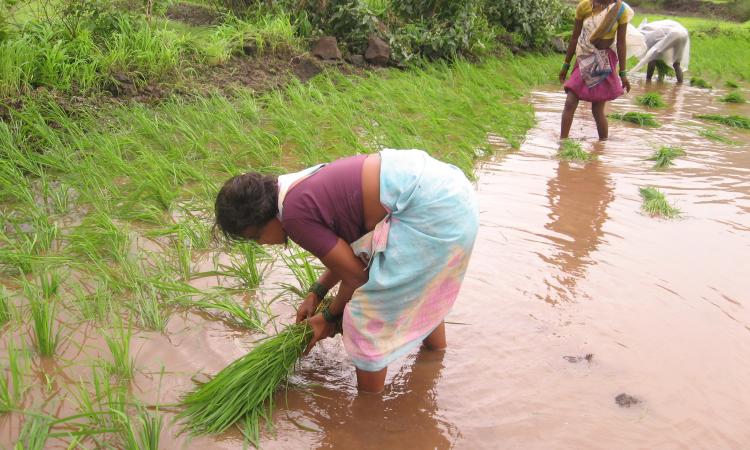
[395, 229]
[599, 25]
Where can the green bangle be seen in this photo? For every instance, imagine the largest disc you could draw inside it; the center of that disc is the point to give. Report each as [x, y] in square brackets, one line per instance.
[330, 318]
[623, 73]
[318, 289]
[566, 66]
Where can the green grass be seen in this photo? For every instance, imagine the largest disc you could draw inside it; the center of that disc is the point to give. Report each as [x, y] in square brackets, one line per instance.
[118, 342]
[638, 118]
[714, 136]
[571, 150]
[733, 121]
[733, 97]
[43, 303]
[247, 317]
[700, 83]
[656, 204]
[34, 433]
[6, 307]
[731, 84]
[12, 385]
[665, 155]
[650, 100]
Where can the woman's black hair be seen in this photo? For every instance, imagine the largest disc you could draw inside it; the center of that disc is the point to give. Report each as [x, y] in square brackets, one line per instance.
[246, 200]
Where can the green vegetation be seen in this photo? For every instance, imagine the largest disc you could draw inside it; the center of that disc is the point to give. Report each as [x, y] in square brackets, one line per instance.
[665, 155]
[733, 97]
[700, 83]
[650, 100]
[734, 121]
[731, 84]
[714, 136]
[12, 385]
[5, 306]
[571, 150]
[656, 204]
[638, 118]
[118, 342]
[43, 303]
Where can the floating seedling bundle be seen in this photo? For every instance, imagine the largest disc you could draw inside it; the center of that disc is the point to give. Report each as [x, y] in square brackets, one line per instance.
[638, 118]
[243, 391]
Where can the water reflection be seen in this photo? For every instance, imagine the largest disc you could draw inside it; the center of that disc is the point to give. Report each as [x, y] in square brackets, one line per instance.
[578, 199]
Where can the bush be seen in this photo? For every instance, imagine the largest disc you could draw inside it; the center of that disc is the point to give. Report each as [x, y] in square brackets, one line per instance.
[535, 20]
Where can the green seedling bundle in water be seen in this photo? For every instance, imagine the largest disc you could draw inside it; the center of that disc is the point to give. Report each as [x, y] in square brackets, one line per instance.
[656, 204]
[714, 136]
[731, 85]
[733, 97]
[244, 390]
[638, 118]
[571, 150]
[650, 100]
[700, 83]
[665, 155]
[734, 121]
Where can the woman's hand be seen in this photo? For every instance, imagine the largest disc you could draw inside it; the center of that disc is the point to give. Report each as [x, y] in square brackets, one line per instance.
[321, 330]
[563, 75]
[308, 307]
[625, 83]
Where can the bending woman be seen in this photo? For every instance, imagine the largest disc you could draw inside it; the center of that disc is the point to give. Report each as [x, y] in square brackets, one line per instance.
[599, 25]
[395, 229]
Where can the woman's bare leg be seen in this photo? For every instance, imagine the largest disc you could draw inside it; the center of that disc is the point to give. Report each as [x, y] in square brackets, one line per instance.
[436, 340]
[371, 382]
[571, 103]
[602, 126]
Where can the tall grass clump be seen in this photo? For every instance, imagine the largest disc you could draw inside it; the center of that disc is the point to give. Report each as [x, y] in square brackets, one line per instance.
[733, 97]
[700, 83]
[571, 150]
[44, 312]
[656, 204]
[665, 155]
[650, 100]
[734, 121]
[638, 118]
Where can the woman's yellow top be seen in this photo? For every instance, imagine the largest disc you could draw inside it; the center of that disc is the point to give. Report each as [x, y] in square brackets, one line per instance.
[586, 7]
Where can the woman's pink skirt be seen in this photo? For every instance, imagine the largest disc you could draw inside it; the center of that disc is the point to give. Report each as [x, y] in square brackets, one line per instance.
[609, 89]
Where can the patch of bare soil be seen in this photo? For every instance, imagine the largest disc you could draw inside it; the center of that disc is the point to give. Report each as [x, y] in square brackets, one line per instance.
[192, 14]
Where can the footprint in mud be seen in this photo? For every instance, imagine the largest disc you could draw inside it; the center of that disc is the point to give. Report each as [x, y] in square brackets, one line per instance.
[576, 359]
[626, 400]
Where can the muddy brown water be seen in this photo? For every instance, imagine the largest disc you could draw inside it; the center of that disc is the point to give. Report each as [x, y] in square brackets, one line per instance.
[573, 297]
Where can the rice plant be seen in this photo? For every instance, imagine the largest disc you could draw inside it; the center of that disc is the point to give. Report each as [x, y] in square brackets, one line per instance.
[5, 306]
[664, 70]
[665, 155]
[12, 382]
[714, 136]
[44, 312]
[34, 433]
[148, 308]
[731, 85]
[656, 204]
[97, 305]
[118, 342]
[571, 150]
[144, 434]
[733, 97]
[305, 271]
[650, 100]
[700, 83]
[243, 316]
[638, 118]
[734, 121]
[99, 238]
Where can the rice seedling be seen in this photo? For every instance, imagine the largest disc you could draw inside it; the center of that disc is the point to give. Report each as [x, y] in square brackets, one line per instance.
[638, 118]
[43, 312]
[650, 100]
[245, 317]
[664, 70]
[734, 121]
[34, 433]
[249, 266]
[118, 342]
[99, 238]
[148, 308]
[5, 306]
[304, 270]
[731, 85]
[98, 305]
[656, 204]
[665, 155]
[12, 385]
[143, 435]
[244, 390]
[733, 97]
[714, 136]
[571, 150]
[700, 83]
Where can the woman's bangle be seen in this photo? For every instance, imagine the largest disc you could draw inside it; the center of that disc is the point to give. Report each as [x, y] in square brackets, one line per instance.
[318, 289]
[565, 66]
[623, 73]
[330, 318]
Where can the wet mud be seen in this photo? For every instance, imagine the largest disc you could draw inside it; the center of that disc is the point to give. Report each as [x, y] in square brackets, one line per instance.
[566, 267]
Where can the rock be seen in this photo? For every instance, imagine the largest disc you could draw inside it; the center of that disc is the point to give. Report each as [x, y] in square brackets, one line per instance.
[306, 68]
[559, 44]
[378, 51]
[626, 400]
[326, 48]
[356, 60]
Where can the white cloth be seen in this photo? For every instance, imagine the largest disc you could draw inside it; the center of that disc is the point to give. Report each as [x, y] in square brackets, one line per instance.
[665, 40]
[287, 181]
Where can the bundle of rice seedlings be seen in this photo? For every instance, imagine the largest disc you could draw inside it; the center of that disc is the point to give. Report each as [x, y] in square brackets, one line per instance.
[664, 70]
[656, 204]
[650, 100]
[665, 155]
[572, 150]
[733, 97]
[243, 391]
[735, 121]
[638, 118]
[714, 136]
[700, 83]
